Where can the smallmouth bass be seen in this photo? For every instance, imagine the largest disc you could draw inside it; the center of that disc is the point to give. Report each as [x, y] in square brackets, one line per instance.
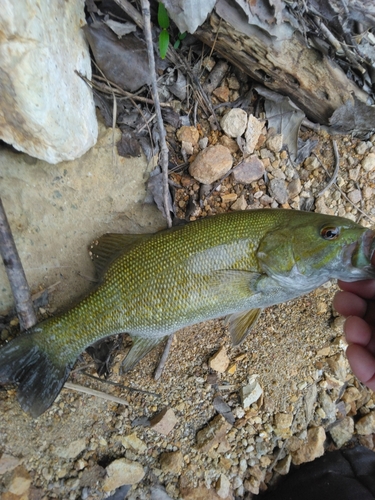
[151, 285]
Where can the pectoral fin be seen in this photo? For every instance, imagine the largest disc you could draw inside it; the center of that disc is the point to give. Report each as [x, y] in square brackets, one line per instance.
[240, 324]
[235, 281]
[139, 349]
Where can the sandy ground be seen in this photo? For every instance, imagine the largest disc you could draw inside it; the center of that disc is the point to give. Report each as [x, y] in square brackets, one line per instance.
[65, 453]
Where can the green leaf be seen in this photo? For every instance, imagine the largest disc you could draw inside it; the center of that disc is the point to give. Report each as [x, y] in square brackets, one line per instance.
[163, 18]
[176, 44]
[163, 43]
[181, 36]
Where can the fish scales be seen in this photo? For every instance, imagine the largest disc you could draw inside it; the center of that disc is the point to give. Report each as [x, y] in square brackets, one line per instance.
[233, 264]
[164, 283]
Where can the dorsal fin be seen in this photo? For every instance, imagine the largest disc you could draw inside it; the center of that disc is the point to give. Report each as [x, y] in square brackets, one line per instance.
[105, 249]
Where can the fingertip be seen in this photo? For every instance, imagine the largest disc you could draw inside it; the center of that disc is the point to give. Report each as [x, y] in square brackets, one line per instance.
[357, 331]
[364, 288]
[362, 363]
[349, 304]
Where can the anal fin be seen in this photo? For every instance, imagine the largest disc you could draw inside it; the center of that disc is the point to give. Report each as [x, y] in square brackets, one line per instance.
[240, 324]
[139, 349]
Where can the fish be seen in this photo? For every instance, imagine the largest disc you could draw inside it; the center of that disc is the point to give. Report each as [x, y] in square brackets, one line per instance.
[230, 265]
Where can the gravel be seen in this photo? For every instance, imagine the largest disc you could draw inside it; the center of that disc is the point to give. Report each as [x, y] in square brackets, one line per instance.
[307, 401]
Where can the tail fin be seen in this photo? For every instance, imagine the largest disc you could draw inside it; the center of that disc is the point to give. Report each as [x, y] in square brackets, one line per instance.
[39, 378]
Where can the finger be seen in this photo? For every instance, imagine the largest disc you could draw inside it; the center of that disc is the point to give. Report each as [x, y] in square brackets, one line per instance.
[357, 331]
[365, 289]
[349, 304]
[362, 363]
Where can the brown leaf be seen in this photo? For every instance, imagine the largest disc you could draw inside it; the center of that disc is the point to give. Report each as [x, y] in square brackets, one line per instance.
[124, 61]
[128, 146]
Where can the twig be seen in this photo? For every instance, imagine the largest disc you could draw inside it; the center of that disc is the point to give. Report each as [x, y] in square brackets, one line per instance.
[326, 32]
[200, 94]
[16, 274]
[142, 127]
[172, 56]
[116, 384]
[229, 387]
[94, 392]
[216, 37]
[308, 124]
[335, 172]
[163, 144]
[146, 124]
[371, 219]
[163, 359]
[118, 90]
[35, 296]
[339, 46]
[131, 11]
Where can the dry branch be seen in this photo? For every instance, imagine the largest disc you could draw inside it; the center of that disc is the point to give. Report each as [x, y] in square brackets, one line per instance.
[288, 66]
[162, 133]
[16, 274]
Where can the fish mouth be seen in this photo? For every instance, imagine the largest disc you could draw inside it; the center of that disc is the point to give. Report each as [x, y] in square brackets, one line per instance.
[361, 253]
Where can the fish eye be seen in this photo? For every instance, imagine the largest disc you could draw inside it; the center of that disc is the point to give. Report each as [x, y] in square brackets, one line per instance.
[330, 233]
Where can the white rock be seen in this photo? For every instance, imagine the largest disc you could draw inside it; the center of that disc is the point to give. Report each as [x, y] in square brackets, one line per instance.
[355, 196]
[283, 466]
[294, 188]
[240, 204]
[343, 431]
[223, 486]
[366, 424]
[47, 110]
[253, 131]
[275, 143]
[368, 163]
[72, 450]
[278, 190]
[122, 471]
[133, 442]
[7, 463]
[234, 122]
[251, 393]
[361, 148]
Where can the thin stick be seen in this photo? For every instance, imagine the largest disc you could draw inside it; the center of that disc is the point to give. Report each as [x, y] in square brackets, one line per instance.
[336, 170]
[116, 384]
[16, 274]
[163, 359]
[131, 11]
[94, 392]
[35, 296]
[115, 88]
[163, 144]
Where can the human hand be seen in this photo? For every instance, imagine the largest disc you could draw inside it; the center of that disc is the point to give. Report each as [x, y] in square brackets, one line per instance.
[357, 303]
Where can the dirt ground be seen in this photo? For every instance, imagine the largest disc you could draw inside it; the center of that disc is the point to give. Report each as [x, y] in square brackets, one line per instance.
[296, 352]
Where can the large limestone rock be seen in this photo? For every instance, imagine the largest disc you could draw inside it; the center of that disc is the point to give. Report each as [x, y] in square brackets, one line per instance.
[56, 211]
[46, 109]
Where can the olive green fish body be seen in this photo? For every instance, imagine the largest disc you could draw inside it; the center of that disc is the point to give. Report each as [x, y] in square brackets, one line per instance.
[231, 265]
